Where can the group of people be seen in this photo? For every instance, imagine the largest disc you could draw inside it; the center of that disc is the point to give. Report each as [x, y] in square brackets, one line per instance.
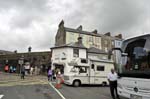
[10, 69]
[52, 74]
[24, 70]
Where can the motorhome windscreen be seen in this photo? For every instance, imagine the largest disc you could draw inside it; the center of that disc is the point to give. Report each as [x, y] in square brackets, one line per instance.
[138, 59]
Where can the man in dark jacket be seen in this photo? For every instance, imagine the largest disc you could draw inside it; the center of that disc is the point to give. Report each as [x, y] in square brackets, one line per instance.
[22, 72]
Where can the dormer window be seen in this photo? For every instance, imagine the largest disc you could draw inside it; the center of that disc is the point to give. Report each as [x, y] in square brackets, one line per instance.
[75, 52]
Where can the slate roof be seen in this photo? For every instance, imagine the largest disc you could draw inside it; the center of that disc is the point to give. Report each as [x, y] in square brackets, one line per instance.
[72, 45]
[5, 52]
[80, 31]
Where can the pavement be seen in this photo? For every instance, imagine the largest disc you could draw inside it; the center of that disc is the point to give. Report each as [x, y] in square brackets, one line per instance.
[12, 79]
[37, 87]
[32, 87]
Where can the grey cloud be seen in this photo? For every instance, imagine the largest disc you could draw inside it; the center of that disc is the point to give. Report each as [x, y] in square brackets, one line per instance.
[27, 11]
[37, 20]
[119, 16]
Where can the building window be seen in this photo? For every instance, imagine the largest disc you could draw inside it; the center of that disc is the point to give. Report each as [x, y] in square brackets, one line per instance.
[100, 68]
[119, 44]
[76, 52]
[106, 49]
[112, 42]
[97, 40]
[90, 39]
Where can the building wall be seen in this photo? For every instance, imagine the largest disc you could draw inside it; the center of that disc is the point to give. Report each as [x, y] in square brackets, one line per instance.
[97, 56]
[71, 37]
[57, 54]
[60, 37]
[106, 43]
[66, 35]
[87, 40]
[35, 59]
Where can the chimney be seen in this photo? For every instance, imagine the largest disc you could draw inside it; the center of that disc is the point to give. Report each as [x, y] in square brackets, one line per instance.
[95, 31]
[119, 36]
[79, 40]
[80, 28]
[15, 51]
[61, 24]
[29, 49]
[107, 34]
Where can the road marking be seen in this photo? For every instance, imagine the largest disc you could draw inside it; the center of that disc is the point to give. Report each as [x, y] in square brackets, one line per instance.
[57, 91]
[1, 96]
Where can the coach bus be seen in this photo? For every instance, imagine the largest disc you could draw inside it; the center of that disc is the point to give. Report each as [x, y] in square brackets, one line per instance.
[134, 70]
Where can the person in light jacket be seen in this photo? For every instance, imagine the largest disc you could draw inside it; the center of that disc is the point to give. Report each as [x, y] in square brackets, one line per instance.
[112, 78]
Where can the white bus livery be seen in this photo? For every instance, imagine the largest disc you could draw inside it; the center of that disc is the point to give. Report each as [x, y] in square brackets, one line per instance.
[134, 70]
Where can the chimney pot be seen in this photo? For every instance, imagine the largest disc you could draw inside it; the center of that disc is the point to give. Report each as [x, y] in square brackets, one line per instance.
[80, 28]
[119, 36]
[107, 34]
[95, 31]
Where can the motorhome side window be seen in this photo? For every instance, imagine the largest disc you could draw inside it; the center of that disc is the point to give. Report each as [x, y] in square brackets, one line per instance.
[76, 52]
[100, 68]
[84, 61]
[82, 69]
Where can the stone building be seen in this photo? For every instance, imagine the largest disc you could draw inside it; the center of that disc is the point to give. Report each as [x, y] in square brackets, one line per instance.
[103, 42]
[37, 59]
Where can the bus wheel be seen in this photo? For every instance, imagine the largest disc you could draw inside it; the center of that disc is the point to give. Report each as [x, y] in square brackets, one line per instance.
[76, 83]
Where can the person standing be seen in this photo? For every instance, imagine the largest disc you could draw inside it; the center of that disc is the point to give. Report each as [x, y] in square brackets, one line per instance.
[6, 68]
[112, 78]
[11, 69]
[22, 72]
[53, 75]
[31, 70]
[49, 75]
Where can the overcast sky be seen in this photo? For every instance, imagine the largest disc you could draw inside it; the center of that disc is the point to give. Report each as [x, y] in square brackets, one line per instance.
[34, 23]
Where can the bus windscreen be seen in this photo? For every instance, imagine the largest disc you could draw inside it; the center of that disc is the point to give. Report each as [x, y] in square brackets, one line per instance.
[138, 59]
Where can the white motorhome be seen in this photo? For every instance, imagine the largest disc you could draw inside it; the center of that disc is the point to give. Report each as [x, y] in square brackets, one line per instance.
[92, 72]
[80, 65]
